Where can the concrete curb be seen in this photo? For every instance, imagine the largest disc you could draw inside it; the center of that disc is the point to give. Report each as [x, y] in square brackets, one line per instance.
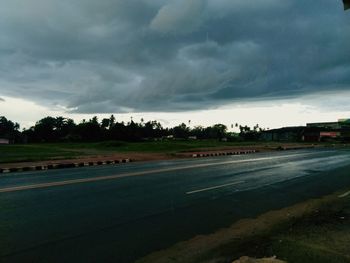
[61, 166]
[200, 155]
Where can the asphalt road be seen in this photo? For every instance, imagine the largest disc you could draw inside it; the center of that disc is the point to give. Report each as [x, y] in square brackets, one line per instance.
[120, 213]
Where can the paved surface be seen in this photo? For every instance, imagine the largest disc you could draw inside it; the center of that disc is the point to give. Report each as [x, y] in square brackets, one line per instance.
[120, 213]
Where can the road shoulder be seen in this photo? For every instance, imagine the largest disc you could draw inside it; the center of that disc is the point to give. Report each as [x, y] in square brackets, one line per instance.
[317, 230]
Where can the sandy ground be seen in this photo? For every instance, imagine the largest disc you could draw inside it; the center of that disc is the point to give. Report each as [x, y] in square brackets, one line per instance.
[200, 248]
[262, 260]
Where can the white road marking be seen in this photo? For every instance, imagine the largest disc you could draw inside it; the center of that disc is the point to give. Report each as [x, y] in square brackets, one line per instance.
[160, 170]
[214, 187]
[344, 195]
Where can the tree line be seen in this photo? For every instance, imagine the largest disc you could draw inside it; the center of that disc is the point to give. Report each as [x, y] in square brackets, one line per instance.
[61, 129]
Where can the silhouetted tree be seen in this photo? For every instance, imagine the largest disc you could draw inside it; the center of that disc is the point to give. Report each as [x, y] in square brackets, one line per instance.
[105, 123]
[56, 129]
[9, 129]
[111, 121]
[89, 131]
[44, 129]
[181, 131]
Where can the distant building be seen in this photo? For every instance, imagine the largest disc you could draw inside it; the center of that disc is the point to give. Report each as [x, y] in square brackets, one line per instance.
[339, 130]
[283, 134]
[330, 134]
[4, 141]
[327, 125]
[310, 133]
[344, 123]
[345, 135]
[340, 124]
[315, 134]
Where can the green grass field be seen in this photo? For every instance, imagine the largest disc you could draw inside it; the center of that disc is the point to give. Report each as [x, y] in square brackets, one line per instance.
[49, 151]
[156, 146]
[56, 151]
[22, 153]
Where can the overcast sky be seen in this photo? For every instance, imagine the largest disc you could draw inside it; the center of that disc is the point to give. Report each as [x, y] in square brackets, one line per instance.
[268, 61]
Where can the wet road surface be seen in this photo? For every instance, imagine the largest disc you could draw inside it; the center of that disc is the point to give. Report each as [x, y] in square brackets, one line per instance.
[120, 213]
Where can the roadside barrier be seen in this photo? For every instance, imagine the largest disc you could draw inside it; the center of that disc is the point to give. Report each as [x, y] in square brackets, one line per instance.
[199, 155]
[61, 166]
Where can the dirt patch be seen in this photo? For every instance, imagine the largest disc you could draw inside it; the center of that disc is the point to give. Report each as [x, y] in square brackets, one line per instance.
[262, 260]
[247, 237]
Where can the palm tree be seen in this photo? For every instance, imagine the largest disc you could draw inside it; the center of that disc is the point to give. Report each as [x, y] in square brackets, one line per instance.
[256, 127]
[111, 121]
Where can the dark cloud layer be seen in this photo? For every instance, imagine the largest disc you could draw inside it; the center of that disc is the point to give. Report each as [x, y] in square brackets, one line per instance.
[170, 55]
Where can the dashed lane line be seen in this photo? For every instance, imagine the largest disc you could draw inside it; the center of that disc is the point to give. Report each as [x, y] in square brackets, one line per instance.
[214, 187]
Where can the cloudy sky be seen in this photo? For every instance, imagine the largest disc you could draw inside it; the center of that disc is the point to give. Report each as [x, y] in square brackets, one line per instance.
[273, 62]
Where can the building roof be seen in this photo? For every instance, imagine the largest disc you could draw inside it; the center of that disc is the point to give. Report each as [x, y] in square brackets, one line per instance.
[287, 129]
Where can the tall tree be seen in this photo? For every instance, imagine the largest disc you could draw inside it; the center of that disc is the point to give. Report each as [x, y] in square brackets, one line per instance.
[8, 129]
[105, 123]
[111, 121]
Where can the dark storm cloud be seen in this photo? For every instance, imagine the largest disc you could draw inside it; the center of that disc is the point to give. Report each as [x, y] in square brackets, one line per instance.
[169, 55]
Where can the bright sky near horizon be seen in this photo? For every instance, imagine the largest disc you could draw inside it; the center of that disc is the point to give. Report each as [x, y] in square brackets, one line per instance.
[272, 62]
[267, 114]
